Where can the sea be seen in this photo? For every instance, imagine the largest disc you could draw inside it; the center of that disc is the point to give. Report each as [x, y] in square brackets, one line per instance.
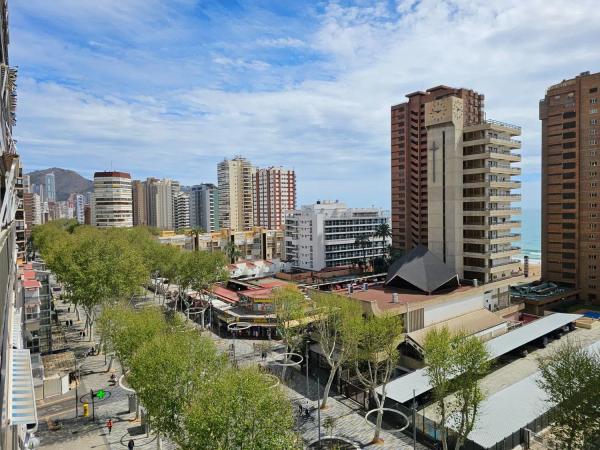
[531, 234]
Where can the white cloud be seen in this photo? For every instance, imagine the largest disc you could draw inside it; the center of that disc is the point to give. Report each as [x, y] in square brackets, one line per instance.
[157, 111]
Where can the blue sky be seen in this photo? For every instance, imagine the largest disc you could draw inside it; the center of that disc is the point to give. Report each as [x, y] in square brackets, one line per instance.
[169, 88]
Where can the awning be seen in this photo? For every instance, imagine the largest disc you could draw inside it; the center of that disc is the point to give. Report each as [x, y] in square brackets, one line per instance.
[401, 389]
[22, 406]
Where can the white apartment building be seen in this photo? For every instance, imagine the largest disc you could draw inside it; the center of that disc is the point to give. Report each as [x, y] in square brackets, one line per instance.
[324, 235]
[111, 205]
[181, 210]
[236, 193]
[275, 194]
[79, 205]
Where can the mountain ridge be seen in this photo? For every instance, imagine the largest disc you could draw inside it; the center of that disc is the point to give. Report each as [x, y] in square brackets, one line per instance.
[66, 181]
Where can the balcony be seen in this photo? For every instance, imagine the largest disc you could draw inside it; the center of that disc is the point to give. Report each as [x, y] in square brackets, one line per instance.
[505, 239]
[490, 212]
[494, 153]
[503, 253]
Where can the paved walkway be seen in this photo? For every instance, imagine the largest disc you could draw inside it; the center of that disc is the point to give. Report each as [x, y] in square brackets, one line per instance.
[83, 433]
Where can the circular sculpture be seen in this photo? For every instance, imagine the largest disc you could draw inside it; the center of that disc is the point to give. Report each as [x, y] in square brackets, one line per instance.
[238, 326]
[392, 410]
[275, 380]
[290, 362]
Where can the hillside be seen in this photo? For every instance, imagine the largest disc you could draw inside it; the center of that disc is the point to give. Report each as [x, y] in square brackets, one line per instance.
[67, 181]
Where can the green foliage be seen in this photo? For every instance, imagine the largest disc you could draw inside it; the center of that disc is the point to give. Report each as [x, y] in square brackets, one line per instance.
[375, 356]
[240, 410]
[337, 330]
[291, 308]
[456, 363]
[570, 377]
[232, 252]
[167, 371]
[124, 329]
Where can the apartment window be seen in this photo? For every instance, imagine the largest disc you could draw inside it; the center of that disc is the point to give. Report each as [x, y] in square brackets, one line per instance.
[568, 215]
[594, 122]
[568, 175]
[592, 141]
[569, 135]
[569, 165]
[568, 235]
[594, 89]
[569, 115]
[568, 125]
[592, 132]
[570, 155]
[568, 226]
[568, 255]
[594, 111]
[568, 265]
[568, 206]
[569, 145]
[593, 101]
[568, 195]
[568, 185]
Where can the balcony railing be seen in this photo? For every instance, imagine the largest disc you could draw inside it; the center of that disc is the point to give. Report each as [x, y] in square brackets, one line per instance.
[503, 124]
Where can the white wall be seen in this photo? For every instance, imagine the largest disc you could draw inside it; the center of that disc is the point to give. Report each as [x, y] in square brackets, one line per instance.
[453, 308]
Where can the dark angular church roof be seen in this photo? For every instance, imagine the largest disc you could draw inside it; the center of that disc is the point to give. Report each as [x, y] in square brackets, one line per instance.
[422, 270]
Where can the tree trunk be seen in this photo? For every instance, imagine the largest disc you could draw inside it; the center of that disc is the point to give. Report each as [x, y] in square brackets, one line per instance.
[376, 437]
[328, 387]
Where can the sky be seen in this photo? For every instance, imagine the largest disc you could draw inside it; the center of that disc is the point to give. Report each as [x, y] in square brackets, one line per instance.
[169, 88]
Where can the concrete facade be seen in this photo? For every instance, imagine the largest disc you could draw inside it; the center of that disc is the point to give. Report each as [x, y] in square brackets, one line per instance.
[112, 206]
[236, 179]
[324, 234]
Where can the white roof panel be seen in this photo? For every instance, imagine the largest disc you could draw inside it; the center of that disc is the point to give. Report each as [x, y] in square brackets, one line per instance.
[517, 405]
[401, 389]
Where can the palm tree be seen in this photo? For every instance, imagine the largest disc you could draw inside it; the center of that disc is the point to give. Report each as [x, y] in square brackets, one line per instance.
[232, 252]
[195, 232]
[363, 241]
[384, 232]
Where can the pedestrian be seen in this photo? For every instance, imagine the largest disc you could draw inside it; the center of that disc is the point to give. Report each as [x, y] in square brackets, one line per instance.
[131, 444]
[109, 425]
[300, 410]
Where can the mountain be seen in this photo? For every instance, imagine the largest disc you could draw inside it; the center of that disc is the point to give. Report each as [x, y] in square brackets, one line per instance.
[66, 181]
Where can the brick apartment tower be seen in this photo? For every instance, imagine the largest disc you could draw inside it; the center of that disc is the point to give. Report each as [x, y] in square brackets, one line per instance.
[275, 194]
[409, 161]
[570, 184]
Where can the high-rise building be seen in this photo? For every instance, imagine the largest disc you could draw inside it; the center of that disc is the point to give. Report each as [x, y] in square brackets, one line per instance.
[50, 183]
[181, 210]
[204, 207]
[18, 420]
[20, 216]
[139, 201]
[112, 200]
[236, 193]
[79, 205]
[452, 183]
[325, 235]
[163, 198]
[409, 161]
[275, 194]
[571, 184]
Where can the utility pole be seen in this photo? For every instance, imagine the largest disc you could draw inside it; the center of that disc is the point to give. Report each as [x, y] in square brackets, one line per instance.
[307, 386]
[414, 424]
[93, 408]
[319, 407]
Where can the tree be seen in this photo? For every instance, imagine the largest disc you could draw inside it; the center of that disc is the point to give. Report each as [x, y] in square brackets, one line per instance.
[232, 252]
[337, 330]
[195, 232]
[384, 232]
[375, 358]
[570, 377]
[167, 371]
[168, 265]
[455, 362]
[290, 307]
[124, 329]
[363, 242]
[198, 271]
[241, 410]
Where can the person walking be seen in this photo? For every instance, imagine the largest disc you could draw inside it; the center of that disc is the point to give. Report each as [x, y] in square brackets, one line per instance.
[109, 425]
[130, 444]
